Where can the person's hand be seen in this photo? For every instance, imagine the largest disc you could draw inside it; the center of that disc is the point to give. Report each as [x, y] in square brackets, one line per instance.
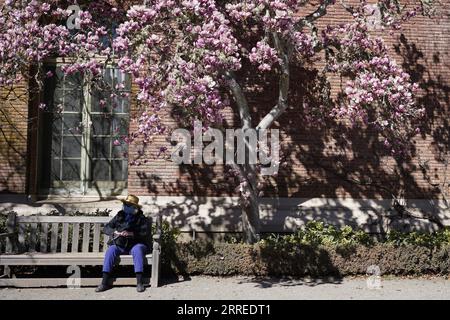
[127, 234]
[124, 233]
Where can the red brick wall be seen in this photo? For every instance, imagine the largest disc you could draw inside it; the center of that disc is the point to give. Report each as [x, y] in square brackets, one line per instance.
[13, 138]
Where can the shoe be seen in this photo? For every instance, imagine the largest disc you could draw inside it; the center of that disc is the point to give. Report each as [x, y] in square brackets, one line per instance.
[140, 287]
[102, 287]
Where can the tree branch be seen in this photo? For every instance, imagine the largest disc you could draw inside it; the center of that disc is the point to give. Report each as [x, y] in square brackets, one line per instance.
[283, 90]
[281, 106]
[320, 12]
[244, 111]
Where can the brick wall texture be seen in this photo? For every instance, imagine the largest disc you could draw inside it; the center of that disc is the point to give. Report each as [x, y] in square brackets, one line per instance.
[13, 138]
[328, 161]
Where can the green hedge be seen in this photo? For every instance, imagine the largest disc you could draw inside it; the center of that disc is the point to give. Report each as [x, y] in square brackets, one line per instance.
[315, 250]
[318, 233]
[222, 259]
[3, 217]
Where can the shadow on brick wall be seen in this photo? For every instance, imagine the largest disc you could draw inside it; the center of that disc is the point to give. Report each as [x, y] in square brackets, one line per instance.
[333, 160]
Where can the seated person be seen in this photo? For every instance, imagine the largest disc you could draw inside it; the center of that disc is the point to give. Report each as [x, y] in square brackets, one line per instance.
[129, 233]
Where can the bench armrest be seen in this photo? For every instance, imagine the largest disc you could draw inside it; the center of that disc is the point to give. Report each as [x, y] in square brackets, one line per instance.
[156, 237]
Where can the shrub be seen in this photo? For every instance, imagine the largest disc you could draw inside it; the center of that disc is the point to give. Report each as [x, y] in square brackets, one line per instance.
[317, 233]
[97, 212]
[441, 259]
[3, 217]
[317, 250]
[434, 239]
[224, 259]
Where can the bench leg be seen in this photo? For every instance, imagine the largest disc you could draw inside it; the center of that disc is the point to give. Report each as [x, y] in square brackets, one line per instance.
[155, 266]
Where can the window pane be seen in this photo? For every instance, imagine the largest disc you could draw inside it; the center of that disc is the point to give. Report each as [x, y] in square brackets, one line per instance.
[56, 124]
[114, 81]
[55, 169]
[119, 170]
[100, 170]
[59, 77]
[73, 100]
[124, 104]
[125, 169]
[71, 170]
[101, 125]
[107, 76]
[71, 147]
[73, 81]
[50, 91]
[122, 78]
[118, 151]
[116, 104]
[57, 100]
[56, 146]
[101, 101]
[120, 125]
[72, 123]
[101, 147]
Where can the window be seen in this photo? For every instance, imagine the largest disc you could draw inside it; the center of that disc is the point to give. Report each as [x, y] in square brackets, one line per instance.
[79, 126]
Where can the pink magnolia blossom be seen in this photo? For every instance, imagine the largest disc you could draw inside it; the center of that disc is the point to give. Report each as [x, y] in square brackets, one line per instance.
[182, 55]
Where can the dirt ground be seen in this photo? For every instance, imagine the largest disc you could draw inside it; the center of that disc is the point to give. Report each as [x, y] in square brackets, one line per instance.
[243, 288]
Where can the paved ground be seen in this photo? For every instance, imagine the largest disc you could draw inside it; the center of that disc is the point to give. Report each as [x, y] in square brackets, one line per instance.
[243, 288]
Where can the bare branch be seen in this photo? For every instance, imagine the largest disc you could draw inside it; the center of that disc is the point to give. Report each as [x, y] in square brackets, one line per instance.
[320, 12]
[244, 111]
[283, 90]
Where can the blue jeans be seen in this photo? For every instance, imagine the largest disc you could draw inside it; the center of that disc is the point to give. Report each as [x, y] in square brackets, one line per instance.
[138, 252]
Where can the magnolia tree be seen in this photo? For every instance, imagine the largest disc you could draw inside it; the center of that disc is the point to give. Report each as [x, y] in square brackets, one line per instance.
[189, 54]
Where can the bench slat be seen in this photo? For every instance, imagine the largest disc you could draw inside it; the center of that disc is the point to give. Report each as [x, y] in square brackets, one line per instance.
[105, 242]
[54, 237]
[43, 237]
[59, 259]
[62, 219]
[33, 235]
[10, 226]
[86, 236]
[75, 236]
[22, 235]
[64, 237]
[96, 245]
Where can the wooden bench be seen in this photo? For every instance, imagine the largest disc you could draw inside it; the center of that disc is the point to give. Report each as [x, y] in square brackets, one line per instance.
[56, 241]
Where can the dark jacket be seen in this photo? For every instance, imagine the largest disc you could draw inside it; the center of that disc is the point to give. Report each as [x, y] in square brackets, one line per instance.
[140, 226]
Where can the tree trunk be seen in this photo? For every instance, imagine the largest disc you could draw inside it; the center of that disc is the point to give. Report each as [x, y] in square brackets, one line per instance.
[250, 212]
[251, 222]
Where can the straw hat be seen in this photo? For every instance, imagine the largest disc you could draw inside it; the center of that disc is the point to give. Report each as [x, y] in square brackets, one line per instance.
[132, 200]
